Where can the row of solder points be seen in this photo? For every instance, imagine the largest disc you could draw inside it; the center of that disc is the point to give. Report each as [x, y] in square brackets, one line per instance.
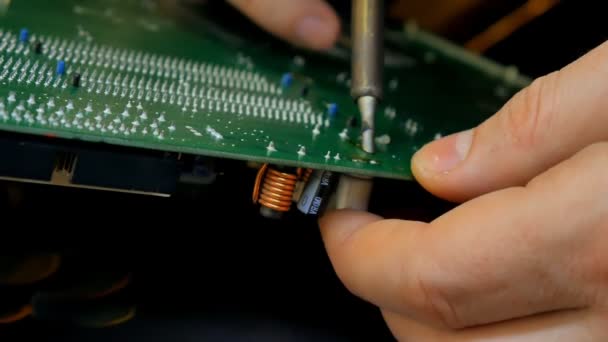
[332, 108]
[190, 70]
[61, 68]
[287, 81]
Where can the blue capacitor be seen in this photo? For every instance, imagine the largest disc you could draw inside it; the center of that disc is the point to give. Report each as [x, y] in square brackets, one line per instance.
[332, 110]
[60, 67]
[24, 35]
[286, 80]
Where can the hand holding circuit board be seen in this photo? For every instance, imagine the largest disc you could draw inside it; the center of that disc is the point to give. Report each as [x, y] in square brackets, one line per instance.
[101, 75]
[514, 262]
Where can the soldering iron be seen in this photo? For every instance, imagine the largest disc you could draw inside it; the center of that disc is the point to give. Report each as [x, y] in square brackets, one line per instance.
[367, 64]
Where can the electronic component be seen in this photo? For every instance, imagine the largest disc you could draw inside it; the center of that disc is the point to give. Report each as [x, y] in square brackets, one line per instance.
[316, 195]
[38, 47]
[332, 110]
[159, 85]
[352, 122]
[24, 35]
[76, 80]
[287, 80]
[60, 70]
[205, 94]
[51, 161]
[275, 188]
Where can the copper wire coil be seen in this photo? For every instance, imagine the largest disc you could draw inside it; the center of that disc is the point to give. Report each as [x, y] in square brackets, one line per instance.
[307, 175]
[274, 189]
[277, 190]
[258, 182]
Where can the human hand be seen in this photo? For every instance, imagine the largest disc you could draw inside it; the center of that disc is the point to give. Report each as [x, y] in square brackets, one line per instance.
[526, 257]
[310, 24]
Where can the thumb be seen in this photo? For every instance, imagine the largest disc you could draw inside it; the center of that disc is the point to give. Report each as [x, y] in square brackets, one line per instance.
[340, 224]
[547, 122]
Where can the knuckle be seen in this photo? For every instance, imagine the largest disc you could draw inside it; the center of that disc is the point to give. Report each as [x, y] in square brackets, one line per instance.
[527, 117]
[436, 304]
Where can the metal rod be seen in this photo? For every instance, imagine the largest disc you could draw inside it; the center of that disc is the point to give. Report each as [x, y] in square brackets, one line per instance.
[367, 63]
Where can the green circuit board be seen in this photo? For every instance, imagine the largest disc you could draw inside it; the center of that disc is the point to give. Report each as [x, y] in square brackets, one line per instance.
[147, 75]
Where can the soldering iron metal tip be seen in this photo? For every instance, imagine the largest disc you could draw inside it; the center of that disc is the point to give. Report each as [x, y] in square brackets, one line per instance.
[367, 107]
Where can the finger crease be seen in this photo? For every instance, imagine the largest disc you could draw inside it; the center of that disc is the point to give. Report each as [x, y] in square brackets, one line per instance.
[439, 306]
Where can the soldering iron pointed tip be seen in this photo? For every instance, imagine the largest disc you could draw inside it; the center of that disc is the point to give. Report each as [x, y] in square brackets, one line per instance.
[367, 107]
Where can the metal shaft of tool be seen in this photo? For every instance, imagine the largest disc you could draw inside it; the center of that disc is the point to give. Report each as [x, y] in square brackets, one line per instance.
[367, 108]
[367, 63]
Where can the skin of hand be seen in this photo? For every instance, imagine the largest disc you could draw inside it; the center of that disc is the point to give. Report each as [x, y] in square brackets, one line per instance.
[311, 24]
[525, 256]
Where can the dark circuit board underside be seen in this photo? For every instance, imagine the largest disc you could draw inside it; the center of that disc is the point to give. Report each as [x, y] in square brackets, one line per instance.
[166, 77]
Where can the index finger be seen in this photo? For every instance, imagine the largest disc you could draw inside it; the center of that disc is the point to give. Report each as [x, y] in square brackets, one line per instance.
[308, 23]
[542, 125]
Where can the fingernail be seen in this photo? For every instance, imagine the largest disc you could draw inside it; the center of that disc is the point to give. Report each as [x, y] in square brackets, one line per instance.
[311, 30]
[446, 154]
